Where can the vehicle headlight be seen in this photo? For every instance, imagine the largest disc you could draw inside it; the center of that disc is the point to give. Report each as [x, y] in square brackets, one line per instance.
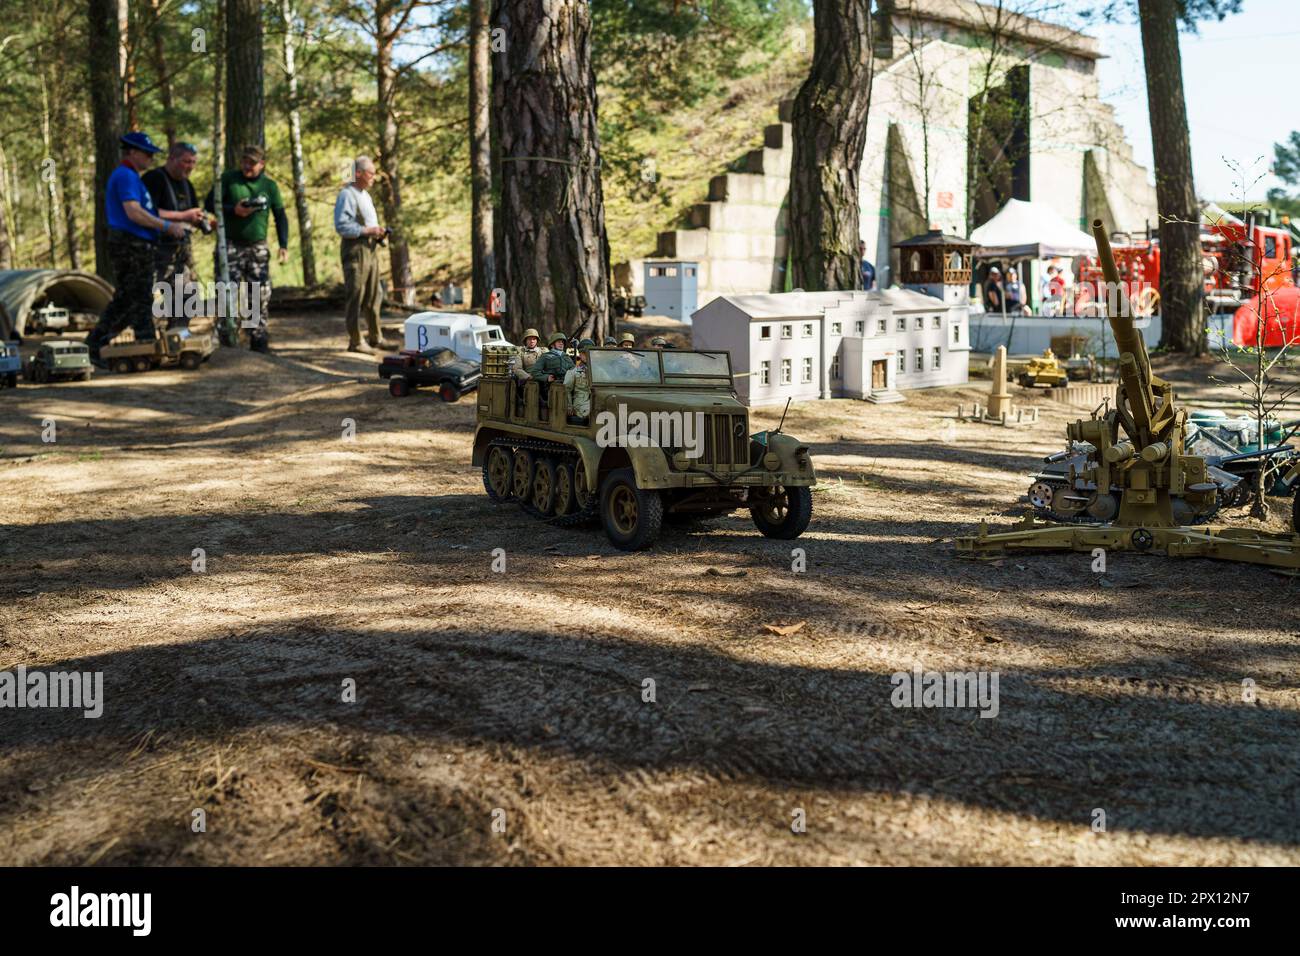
[772, 461]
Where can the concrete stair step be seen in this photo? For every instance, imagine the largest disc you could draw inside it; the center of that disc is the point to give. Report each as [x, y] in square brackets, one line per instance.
[885, 396]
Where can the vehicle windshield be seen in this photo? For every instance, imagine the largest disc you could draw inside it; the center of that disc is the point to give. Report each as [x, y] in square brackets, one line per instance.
[625, 367]
[443, 357]
[490, 335]
[706, 364]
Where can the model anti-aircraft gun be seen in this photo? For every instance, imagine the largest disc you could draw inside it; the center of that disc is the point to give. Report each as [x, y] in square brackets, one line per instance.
[1146, 488]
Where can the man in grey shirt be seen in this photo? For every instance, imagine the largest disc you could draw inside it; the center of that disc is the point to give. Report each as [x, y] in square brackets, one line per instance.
[358, 227]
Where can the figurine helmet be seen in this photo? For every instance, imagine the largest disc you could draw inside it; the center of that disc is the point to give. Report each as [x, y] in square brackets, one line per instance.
[627, 337]
[557, 337]
[658, 341]
[531, 334]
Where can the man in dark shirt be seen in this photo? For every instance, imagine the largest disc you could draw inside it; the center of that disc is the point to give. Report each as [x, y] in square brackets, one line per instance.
[176, 201]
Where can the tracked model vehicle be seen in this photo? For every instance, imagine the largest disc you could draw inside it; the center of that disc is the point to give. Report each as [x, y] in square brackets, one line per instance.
[666, 439]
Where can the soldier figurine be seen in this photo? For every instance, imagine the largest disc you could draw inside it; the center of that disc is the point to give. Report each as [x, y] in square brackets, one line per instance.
[529, 354]
[628, 341]
[659, 342]
[552, 365]
[577, 382]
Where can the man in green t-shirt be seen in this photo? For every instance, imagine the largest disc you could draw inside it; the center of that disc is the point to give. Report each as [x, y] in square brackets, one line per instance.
[249, 198]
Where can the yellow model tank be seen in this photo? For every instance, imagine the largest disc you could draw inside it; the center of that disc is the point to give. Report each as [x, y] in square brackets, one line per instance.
[1044, 370]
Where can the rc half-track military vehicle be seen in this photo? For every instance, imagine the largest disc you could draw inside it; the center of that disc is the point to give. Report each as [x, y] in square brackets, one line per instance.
[666, 439]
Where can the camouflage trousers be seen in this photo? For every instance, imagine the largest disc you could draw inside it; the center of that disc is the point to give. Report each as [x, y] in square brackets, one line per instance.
[248, 264]
[170, 261]
[133, 269]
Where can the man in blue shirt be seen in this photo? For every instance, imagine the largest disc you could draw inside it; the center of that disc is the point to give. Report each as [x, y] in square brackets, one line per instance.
[133, 232]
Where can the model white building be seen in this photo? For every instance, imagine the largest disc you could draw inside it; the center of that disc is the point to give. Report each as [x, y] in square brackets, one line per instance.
[869, 345]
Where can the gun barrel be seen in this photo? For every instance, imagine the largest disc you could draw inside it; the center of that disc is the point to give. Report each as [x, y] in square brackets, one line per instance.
[1126, 334]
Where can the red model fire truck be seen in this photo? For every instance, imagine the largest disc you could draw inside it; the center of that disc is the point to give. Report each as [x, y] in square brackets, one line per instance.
[1234, 253]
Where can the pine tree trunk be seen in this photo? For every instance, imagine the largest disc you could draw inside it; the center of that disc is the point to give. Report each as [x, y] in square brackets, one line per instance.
[551, 245]
[830, 133]
[245, 105]
[480, 156]
[390, 186]
[160, 67]
[103, 63]
[1181, 276]
[126, 63]
[295, 146]
[6, 244]
[48, 175]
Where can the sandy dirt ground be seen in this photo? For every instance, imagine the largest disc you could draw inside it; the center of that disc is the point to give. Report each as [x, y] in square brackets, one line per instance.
[499, 717]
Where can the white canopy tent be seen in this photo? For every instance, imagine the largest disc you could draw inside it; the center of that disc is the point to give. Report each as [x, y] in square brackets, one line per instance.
[1027, 230]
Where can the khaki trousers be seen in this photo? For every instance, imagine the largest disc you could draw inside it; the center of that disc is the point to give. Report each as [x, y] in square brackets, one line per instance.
[361, 280]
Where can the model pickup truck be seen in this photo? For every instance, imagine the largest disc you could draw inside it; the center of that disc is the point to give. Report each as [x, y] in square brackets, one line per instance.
[439, 368]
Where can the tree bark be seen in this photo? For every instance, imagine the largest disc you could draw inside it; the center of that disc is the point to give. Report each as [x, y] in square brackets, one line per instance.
[480, 156]
[48, 175]
[6, 245]
[551, 245]
[295, 147]
[830, 134]
[102, 63]
[126, 63]
[1181, 276]
[245, 103]
[160, 67]
[390, 186]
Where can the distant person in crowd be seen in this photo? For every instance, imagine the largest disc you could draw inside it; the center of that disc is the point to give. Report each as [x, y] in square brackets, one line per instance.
[868, 270]
[1014, 293]
[176, 201]
[357, 224]
[993, 290]
[249, 198]
[1052, 291]
[134, 228]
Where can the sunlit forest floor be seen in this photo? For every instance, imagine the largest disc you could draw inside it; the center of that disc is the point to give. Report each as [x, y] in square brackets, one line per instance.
[499, 717]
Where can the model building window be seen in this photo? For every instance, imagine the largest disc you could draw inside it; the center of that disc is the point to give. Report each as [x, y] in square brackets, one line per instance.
[807, 371]
[920, 322]
[902, 360]
[835, 367]
[807, 330]
[785, 371]
[936, 359]
[920, 360]
[956, 333]
[938, 322]
[902, 324]
[837, 328]
[690, 270]
[765, 373]
[881, 326]
[858, 326]
[443, 329]
[787, 331]
[765, 331]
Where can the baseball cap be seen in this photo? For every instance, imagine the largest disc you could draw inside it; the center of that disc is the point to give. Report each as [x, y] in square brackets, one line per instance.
[140, 141]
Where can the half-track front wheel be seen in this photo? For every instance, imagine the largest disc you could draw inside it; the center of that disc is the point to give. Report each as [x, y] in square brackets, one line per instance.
[632, 516]
[783, 512]
[191, 361]
[497, 470]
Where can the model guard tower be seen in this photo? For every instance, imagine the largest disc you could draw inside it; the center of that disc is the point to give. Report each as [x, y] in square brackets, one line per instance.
[938, 265]
[1146, 489]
